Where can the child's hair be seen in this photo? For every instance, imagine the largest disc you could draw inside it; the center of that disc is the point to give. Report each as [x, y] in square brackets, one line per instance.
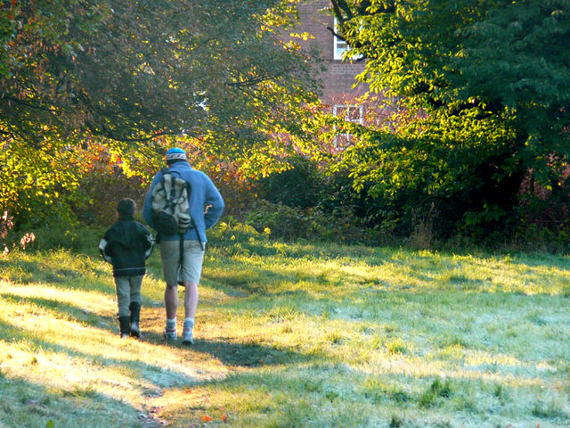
[126, 207]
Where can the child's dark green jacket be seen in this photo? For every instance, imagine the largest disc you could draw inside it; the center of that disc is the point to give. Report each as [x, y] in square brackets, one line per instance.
[127, 245]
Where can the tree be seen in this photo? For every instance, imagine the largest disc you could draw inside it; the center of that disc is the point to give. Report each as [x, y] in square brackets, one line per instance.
[488, 82]
[131, 71]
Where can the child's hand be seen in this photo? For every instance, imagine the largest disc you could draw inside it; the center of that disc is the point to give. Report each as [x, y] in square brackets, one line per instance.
[207, 207]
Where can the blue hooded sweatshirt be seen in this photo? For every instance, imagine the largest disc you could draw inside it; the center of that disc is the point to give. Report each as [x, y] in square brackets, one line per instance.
[204, 193]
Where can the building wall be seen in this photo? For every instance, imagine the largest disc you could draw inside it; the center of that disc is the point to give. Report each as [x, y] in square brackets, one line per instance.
[339, 76]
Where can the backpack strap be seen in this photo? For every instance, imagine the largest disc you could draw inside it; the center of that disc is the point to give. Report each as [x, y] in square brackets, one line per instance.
[173, 199]
[181, 254]
[192, 222]
[181, 235]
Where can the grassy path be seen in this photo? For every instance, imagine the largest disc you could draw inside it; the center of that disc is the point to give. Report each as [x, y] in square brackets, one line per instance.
[292, 335]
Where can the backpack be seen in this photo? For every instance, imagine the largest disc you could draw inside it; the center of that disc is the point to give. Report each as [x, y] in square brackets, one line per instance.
[170, 200]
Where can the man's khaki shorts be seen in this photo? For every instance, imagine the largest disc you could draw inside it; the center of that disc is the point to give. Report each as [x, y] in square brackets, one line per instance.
[192, 267]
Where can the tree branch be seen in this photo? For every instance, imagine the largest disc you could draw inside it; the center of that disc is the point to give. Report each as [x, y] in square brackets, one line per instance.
[339, 5]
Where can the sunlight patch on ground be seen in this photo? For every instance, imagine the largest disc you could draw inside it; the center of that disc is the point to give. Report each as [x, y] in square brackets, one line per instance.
[71, 352]
[295, 335]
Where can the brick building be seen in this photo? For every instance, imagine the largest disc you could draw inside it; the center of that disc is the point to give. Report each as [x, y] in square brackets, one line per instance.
[340, 90]
[339, 78]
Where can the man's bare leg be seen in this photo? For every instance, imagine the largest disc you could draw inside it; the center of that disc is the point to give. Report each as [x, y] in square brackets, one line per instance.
[171, 304]
[190, 299]
[190, 305]
[171, 301]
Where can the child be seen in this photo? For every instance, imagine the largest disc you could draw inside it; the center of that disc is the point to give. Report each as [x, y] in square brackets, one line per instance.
[127, 245]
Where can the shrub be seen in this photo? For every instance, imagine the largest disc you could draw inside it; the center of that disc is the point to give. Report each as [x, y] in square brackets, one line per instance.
[64, 235]
[9, 240]
[105, 190]
[300, 186]
[6, 225]
[284, 221]
[313, 223]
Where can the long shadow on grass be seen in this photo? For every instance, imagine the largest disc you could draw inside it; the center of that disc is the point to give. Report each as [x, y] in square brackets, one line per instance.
[230, 354]
[295, 250]
[377, 255]
[249, 354]
[14, 333]
[31, 404]
[234, 354]
[62, 310]
[32, 271]
[423, 273]
[240, 279]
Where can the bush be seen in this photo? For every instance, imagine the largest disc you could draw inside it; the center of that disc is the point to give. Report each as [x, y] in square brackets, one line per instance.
[311, 203]
[291, 223]
[56, 234]
[64, 235]
[301, 186]
[105, 190]
[284, 221]
[9, 239]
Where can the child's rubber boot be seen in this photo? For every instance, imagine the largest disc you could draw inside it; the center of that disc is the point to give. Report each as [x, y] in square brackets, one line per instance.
[124, 326]
[135, 318]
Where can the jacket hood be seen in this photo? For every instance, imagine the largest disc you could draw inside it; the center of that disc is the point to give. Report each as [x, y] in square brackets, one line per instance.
[126, 232]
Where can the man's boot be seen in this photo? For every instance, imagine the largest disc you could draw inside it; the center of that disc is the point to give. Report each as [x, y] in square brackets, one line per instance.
[135, 318]
[124, 326]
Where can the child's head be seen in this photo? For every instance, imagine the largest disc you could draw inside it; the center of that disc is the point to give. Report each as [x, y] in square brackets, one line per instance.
[126, 207]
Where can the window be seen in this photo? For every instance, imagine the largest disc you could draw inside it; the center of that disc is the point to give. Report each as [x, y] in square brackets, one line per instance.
[350, 113]
[340, 46]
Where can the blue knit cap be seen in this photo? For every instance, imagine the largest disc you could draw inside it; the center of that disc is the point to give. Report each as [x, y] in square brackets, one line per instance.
[175, 153]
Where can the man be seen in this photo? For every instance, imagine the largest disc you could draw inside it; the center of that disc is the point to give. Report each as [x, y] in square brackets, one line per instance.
[206, 206]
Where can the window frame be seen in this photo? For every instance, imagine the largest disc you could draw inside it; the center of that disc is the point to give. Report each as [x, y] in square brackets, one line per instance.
[348, 107]
[338, 51]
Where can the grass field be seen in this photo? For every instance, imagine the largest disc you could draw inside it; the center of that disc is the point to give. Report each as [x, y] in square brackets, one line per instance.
[292, 335]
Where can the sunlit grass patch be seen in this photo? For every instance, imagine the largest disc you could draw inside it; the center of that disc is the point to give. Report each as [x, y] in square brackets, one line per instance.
[292, 335]
[72, 349]
[59, 342]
